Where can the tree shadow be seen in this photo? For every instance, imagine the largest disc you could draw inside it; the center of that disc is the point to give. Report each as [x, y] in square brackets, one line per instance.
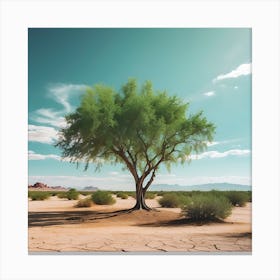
[183, 222]
[41, 219]
[241, 235]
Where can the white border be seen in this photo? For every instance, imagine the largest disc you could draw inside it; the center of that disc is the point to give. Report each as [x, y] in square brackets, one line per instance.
[262, 16]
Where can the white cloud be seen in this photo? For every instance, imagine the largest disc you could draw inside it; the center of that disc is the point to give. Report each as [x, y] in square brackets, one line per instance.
[48, 116]
[214, 143]
[61, 94]
[209, 93]
[42, 134]
[216, 154]
[241, 70]
[236, 87]
[209, 144]
[33, 156]
[114, 173]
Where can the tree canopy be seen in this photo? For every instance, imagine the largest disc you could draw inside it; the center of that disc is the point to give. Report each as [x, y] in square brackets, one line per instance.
[138, 127]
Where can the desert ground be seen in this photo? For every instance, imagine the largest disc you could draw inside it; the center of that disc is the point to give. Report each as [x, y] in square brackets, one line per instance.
[56, 225]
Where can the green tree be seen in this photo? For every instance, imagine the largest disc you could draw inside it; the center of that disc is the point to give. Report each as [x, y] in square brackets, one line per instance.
[138, 127]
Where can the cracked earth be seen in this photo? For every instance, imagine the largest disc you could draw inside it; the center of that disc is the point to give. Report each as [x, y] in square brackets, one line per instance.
[56, 226]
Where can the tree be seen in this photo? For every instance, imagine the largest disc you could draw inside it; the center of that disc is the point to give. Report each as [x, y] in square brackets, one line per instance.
[140, 128]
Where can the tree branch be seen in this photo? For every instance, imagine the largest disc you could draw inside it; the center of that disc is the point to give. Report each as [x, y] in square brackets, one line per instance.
[150, 181]
[134, 160]
[129, 165]
[148, 162]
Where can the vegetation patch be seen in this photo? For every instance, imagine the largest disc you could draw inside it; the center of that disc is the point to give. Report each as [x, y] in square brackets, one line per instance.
[86, 202]
[170, 200]
[103, 198]
[150, 195]
[72, 194]
[85, 193]
[207, 207]
[122, 195]
[132, 194]
[62, 195]
[37, 195]
[237, 198]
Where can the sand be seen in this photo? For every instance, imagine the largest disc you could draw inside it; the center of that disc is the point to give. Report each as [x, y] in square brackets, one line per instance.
[55, 225]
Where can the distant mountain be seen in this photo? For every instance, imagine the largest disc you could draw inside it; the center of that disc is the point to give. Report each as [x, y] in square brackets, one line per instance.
[90, 189]
[203, 187]
[44, 187]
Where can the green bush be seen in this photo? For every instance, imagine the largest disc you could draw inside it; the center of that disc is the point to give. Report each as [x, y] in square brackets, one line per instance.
[72, 194]
[85, 193]
[133, 195]
[208, 206]
[86, 202]
[122, 195]
[237, 198]
[62, 195]
[103, 198]
[249, 196]
[150, 195]
[170, 200]
[160, 193]
[37, 195]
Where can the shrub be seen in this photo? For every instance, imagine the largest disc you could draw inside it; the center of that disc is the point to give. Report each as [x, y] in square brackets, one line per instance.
[133, 195]
[62, 195]
[203, 207]
[85, 193]
[72, 194]
[173, 200]
[149, 195]
[122, 195]
[160, 193]
[37, 195]
[237, 198]
[86, 202]
[249, 196]
[103, 198]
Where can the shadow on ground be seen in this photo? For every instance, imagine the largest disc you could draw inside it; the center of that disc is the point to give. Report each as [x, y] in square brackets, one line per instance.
[70, 217]
[128, 216]
[241, 235]
[182, 222]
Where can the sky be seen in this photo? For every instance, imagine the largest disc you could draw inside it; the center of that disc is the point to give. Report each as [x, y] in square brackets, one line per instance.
[210, 68]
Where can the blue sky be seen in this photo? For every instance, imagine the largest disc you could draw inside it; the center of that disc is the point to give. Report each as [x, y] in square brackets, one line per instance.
[210, 68]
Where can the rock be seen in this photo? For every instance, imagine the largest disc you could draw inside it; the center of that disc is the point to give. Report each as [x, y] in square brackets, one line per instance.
[39, 185]
[44, 187]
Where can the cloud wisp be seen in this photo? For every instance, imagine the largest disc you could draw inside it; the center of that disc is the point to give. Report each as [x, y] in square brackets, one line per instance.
[209, 144]
[34, 156]
[42, 134]
[216, 154]
[214, 143]
[62, 95]
[49, 117]
[241, 70]
[209, 93]
[51, 120]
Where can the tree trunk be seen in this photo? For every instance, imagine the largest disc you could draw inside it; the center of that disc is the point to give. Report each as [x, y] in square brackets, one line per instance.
[140, 198]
